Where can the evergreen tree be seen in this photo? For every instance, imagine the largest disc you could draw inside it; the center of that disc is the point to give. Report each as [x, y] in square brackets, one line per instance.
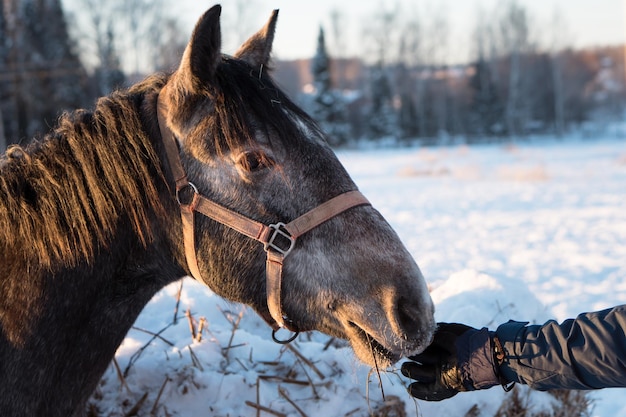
[408, 119]
[486, 117]
[40, 74]
[381, 118]
[328, 104]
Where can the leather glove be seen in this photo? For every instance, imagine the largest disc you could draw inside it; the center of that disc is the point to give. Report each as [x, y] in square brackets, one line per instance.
[460, 358]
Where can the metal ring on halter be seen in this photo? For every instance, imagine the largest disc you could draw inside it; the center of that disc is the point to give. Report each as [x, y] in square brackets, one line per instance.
[190, 185]
[286, 341]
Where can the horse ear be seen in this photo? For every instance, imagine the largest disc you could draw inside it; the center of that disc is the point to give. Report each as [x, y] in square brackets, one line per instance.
[202, 54]
[256, 50]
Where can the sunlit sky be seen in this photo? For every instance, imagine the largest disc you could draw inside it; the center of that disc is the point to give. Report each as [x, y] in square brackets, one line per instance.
[583, 22]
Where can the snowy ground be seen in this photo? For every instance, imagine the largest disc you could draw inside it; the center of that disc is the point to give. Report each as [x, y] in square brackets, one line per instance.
[526, 232]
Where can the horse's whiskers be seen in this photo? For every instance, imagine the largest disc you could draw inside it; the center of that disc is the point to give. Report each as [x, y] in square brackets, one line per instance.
[380, 381]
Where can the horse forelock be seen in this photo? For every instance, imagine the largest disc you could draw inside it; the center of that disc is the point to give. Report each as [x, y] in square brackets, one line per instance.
[242, 101]
[63, 196]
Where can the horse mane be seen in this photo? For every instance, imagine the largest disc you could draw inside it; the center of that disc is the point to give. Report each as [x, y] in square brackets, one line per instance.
[63, 196]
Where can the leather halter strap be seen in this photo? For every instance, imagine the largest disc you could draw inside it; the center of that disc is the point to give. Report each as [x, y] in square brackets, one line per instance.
[278, 239]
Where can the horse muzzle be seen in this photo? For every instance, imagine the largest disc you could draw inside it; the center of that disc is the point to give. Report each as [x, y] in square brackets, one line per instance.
[386, 328]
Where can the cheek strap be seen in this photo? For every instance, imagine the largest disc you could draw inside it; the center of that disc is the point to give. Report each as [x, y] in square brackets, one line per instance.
[278, 239]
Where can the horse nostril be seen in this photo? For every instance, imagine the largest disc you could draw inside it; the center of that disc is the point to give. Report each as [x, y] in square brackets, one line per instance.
[408, 318]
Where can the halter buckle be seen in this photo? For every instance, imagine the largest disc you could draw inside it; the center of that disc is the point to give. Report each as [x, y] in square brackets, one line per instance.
[284, 238]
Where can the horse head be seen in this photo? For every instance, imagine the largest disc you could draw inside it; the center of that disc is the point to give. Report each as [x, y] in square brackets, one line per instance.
[246, 147]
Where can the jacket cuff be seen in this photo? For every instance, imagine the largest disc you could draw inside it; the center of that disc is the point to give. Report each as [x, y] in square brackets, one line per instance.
[476, 359]
[509, 334]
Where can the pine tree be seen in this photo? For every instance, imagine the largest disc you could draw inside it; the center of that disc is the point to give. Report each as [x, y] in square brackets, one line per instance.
[487, 110]
[381, 118]
[328, 104]
[408, 119]
[40, 74]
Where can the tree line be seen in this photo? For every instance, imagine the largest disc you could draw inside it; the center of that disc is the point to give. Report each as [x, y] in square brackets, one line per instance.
[512, 88]
[53, 60]
[484, 101]
[402, 87]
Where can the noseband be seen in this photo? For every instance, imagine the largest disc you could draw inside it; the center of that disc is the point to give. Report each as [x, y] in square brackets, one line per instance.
[278, 239]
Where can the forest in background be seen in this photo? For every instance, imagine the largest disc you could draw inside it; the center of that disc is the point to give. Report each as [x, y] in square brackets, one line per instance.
[402, 88]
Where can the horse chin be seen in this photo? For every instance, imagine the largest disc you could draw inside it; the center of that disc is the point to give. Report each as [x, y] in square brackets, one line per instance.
[375, 349]
[369, 350]
[375, 353]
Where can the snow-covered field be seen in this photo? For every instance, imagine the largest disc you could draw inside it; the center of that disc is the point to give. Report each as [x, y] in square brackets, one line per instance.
[527, 232]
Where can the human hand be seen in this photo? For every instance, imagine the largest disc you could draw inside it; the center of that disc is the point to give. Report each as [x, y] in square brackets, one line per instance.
[460, 358]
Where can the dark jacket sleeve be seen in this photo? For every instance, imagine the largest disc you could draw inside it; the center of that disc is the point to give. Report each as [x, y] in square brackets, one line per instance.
[588, 352]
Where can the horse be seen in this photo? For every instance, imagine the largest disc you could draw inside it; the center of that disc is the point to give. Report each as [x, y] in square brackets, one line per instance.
[210, 171]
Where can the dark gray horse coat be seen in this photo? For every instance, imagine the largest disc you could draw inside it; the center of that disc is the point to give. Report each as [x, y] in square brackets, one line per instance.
[90, 228]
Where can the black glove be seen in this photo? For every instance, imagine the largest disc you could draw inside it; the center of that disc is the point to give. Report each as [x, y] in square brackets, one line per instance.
[460, 358]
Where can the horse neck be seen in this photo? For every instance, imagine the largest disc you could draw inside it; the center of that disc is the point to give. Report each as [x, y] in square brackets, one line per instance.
[79, 317]
[60, 325]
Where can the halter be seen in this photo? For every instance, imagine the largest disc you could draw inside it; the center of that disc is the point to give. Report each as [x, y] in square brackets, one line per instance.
[278, 239]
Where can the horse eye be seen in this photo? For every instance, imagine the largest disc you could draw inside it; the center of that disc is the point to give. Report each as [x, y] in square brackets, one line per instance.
[254, 161]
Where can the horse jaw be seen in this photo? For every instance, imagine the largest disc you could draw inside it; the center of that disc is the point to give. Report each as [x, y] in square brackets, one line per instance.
[377, 301]
[384, 330]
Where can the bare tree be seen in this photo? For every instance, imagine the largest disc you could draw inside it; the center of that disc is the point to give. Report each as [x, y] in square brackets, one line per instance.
[413, 54]
[338, 24]
[98, 44]
[3, 140]
[485, 113]
[133, 14]
[135, 36]
[12, 83]
[555, 49]
[172, 41]
[438, 32]
[240, 17]
[381, 33]
[410, 79]
[4, 48]
[515, 43]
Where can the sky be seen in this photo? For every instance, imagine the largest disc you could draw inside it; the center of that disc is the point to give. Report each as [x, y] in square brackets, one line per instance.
[583, 22]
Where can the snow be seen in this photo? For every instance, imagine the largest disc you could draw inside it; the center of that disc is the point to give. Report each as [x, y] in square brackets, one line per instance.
[529, 232]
